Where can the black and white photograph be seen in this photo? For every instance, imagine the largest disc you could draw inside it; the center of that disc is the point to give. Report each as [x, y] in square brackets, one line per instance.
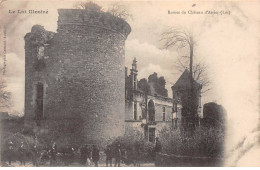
[129, 83]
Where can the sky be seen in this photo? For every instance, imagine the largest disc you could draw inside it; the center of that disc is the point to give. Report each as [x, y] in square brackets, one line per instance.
[227, 44]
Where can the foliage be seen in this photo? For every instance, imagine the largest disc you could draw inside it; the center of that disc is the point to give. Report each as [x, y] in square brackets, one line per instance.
[205, 142]
[214, 115]
[135, 145]
[5, 95]
[154, 82]
[158, 84]
[144, 86]
[88, 6]
[115, 9]
[120, 11]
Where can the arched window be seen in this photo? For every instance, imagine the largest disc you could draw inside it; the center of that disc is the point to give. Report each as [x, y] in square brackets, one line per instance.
[151, 111]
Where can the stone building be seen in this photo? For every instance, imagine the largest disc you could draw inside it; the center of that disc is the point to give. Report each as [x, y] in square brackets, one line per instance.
[150, 113]
[147, 113]
[74, 79]
[76, 88]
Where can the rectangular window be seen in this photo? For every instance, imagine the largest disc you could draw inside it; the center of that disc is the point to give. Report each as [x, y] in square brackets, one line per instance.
[135, 82]
[151, 134]
[39, 102]
[176, 123]
[146, 132]
[135, 111]
[163, 113]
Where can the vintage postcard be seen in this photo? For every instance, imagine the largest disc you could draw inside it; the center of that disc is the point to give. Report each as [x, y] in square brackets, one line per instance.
[129, 83]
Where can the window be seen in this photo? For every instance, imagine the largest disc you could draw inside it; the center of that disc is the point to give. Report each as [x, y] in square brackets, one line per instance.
[151, 134]
[151, 111]
[39, 102]
[135, 111]
[163, 113]
[135, 86]
[143, 114]
[174, 123]
[135, 82]
[40, 52]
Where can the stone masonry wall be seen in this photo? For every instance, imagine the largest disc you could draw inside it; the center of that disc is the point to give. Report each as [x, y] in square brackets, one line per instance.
[83, 75]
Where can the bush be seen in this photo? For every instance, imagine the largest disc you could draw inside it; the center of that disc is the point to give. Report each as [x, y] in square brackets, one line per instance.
[135, 147]
[204, 142]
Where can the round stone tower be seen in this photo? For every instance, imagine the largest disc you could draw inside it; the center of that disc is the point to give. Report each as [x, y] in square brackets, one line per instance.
[81, 73]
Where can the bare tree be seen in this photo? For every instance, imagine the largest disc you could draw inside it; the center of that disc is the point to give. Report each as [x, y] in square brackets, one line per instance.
[180, 38]
[184, 39]
[5, 96]
[199, 71]
[120, 11]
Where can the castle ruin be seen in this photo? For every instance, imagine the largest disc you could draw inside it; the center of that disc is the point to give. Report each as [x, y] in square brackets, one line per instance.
[75, 78]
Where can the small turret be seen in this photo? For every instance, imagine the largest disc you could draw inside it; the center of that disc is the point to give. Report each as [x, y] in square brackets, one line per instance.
[134, 74]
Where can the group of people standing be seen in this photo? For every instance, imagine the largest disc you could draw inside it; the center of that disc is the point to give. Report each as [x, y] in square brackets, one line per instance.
[92, 154]
[20, 153]
[24, 153]
[116, 154]
[89, 155]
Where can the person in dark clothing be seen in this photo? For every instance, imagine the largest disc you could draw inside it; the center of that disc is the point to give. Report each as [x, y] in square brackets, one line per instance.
[10, 152]
[157, 148]
[71, 155]
[137, 155]
[35, 155]
[88, 155]
[68, 154]
[118, 155]
[158, 145]
[108, 153]
[84, 154]
[22, 155]
[95, 155]
[53, 153]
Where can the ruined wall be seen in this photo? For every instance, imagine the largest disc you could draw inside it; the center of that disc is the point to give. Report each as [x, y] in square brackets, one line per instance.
[134, 126]
[162, 125]
[83, 75]
[159, 112]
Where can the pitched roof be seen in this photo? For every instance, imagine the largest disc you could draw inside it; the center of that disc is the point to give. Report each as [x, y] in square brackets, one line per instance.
[185, 78]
